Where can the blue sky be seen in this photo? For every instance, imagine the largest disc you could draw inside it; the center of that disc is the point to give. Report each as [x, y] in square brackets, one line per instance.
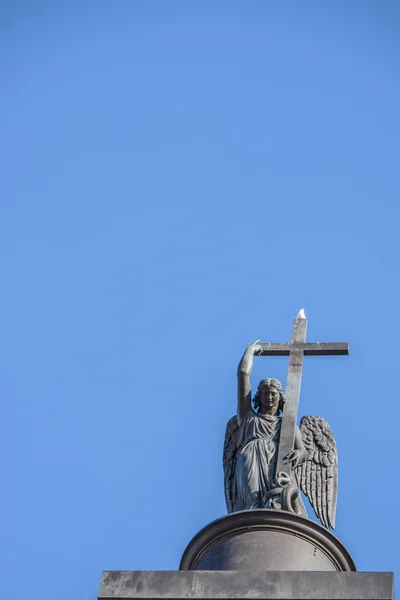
[178, 179]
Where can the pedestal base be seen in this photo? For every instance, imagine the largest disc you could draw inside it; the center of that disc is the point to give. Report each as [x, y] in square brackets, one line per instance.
[244, 585]
[267, 540]
[255, 555]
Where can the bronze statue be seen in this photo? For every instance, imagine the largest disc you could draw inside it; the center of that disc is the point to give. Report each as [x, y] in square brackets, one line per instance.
[256, 476]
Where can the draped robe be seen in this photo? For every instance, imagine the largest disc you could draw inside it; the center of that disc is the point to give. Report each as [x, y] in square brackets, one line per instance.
[257, 441]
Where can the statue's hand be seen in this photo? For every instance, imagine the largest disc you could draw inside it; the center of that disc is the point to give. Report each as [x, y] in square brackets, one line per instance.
[296, 457]
[255, 347]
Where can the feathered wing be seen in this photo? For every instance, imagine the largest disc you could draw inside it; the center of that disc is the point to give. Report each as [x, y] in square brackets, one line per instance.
[318, 475]
[228, 461]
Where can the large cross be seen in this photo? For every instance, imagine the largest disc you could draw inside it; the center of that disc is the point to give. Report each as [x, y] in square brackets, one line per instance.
[296, 350]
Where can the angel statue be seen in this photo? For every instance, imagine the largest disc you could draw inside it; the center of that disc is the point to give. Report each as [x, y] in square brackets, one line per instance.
[251, 448]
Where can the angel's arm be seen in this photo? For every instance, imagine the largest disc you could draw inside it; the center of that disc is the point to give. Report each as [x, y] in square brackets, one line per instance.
[243, 389]
[299, 453]
[299, 445]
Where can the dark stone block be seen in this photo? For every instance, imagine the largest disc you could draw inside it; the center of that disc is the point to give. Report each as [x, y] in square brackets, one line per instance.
[240, 585]
[266, 540]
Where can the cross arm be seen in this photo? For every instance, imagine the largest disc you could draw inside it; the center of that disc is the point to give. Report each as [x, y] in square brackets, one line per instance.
[309, 348]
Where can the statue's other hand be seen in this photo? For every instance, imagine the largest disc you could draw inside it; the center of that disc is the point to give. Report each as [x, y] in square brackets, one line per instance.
[296, 457]
[256, 347]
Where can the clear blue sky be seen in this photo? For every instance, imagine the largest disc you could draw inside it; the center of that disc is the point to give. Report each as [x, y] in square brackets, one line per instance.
[178, 179]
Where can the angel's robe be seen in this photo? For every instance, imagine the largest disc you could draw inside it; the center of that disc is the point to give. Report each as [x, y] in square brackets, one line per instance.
[257, 441]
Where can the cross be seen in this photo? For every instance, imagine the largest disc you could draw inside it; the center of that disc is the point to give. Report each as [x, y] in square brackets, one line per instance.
[296, 350]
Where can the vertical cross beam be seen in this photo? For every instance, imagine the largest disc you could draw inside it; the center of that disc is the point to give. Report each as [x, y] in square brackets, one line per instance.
[296, 350]
[293, 383]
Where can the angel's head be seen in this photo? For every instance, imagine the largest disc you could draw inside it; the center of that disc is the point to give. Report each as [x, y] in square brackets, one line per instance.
[270, 398]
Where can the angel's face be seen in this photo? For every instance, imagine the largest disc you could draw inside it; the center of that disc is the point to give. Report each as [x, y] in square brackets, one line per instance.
[269, 400]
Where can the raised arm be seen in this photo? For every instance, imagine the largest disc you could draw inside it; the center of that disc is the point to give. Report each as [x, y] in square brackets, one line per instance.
[244, 389]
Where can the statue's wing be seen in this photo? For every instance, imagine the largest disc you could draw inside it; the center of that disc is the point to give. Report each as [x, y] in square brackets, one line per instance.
[228, 460]
[318, 476]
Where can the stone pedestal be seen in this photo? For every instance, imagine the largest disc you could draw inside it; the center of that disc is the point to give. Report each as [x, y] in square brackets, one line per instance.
[255, 555]
[267, 540]
[245, 585]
